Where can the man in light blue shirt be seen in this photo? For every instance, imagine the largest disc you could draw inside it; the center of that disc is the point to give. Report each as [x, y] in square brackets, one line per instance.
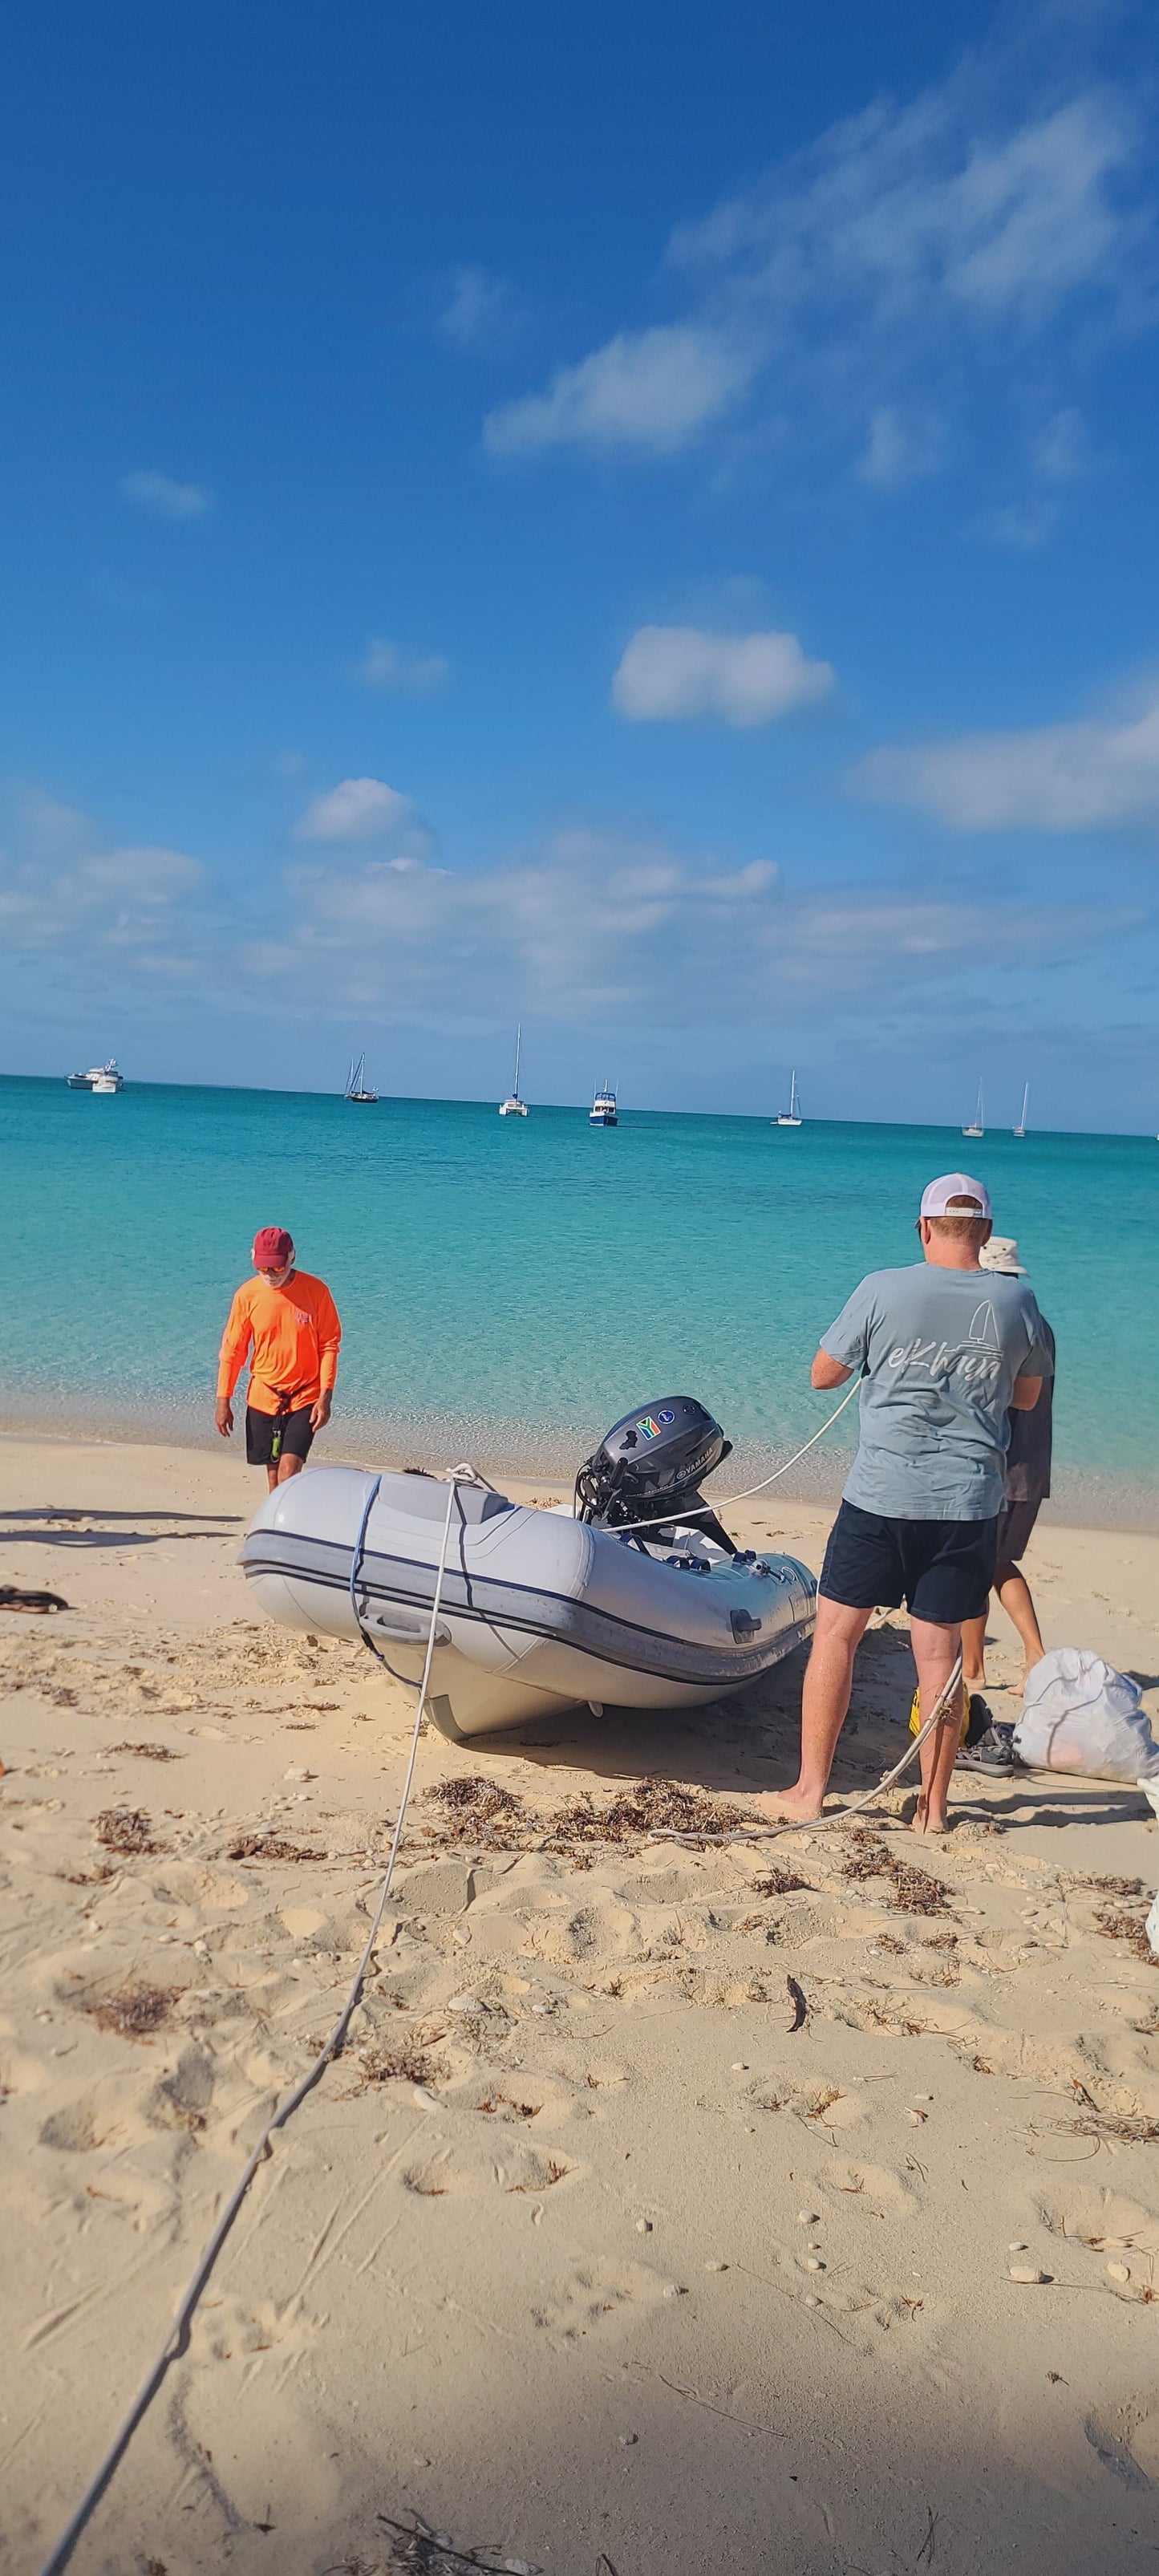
[946, 1351]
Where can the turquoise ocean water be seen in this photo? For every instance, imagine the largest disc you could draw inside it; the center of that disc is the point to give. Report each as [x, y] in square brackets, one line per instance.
[509, 1286]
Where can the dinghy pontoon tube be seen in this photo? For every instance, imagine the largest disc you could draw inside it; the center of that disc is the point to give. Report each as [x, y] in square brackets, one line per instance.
[538, 1610]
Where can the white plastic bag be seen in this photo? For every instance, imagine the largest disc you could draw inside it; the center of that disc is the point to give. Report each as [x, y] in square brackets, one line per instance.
[1079, 1714]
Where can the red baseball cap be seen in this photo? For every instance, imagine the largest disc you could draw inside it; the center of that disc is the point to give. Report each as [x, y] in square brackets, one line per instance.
[273, 1248]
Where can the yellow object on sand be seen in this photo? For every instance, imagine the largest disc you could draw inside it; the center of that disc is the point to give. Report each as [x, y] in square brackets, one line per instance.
[915, 1715]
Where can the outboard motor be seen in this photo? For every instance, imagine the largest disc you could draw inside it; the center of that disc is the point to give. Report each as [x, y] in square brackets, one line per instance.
[652, 1462]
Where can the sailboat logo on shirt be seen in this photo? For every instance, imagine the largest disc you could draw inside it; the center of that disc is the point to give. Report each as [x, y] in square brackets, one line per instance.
[976, 1361]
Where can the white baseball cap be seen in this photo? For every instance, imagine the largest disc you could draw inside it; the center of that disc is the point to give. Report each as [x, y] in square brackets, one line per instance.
[936, 1197]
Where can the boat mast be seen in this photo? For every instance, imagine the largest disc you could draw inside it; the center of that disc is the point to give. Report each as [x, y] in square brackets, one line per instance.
[518, 1044]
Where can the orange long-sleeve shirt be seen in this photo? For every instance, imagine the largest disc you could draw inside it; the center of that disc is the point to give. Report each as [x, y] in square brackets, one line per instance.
[294, 1332]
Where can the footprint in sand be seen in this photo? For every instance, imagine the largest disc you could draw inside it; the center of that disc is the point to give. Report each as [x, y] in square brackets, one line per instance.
[1126, 2439]
[1104, 2220]
[598, 2300]
[463, 2172]
[876, 2185]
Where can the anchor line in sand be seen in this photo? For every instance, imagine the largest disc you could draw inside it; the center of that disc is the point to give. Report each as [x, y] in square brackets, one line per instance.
[177, 2339]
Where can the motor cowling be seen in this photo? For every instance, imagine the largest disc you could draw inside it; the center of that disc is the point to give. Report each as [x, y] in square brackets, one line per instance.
[652, 1461]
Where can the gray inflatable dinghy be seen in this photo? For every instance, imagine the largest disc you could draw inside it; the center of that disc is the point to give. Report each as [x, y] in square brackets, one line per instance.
[538, 1610]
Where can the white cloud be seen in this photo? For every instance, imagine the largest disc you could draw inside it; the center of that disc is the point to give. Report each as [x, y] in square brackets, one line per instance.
[416, 675]
[915, 250]
[163, 498]
[1054, 778]
[595, 924]
[1062, 451]
[1021, 526]
[479, 314]
[586, 930]
[647, 389]
[60, 893]
[673, 672]
[358, 809]
[902, 448]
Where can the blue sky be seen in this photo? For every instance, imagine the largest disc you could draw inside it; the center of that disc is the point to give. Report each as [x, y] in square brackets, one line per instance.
[647, 527]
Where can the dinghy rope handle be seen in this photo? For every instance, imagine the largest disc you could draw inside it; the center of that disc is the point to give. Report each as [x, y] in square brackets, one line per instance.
[177, 2340]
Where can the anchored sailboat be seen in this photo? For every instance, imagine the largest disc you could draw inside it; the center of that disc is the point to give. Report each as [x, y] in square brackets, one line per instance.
[513, 1106]
[1020, 1130]
[357, 1086]
[790, 1117]
[979, 1126]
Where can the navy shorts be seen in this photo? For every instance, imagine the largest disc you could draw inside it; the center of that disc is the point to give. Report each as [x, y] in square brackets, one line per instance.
[942, 1570]
[297, 1435]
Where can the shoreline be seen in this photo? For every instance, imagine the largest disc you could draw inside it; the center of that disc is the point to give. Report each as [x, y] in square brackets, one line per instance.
[1083, 1498]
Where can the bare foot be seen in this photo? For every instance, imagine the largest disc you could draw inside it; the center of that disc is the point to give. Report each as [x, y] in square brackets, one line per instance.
[787, 1807]
[924, 1822]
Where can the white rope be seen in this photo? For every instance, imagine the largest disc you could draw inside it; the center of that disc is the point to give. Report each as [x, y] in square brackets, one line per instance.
[668, 1520]
[840, 1815]
[177, 2338]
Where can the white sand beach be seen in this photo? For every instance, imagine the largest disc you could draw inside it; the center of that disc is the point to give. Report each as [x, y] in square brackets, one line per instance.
[669, 2211]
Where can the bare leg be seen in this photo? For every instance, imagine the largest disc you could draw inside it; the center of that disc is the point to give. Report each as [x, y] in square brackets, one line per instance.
[281, 1474]
[1015, 1596]
[824, 1706]
[934, 1653]
[974, 1653]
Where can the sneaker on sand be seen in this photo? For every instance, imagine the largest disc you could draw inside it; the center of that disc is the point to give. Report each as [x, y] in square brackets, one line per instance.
[991, 1753]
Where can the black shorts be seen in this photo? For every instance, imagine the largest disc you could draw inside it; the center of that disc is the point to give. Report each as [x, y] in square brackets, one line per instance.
[297, 1434]
[1015, 1530]
[942, 1570]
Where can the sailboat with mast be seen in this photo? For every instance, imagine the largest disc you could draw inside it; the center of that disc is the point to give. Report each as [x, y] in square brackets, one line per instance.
[1020, 1130]
[979, 1126]
[358, 1088]
[513, 1106]
[790, 1117]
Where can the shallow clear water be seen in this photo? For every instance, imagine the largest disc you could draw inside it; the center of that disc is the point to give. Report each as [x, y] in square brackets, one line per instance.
[509, 1286]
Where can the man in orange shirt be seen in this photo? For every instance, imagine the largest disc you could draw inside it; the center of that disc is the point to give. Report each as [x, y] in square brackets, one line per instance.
[290, 1323]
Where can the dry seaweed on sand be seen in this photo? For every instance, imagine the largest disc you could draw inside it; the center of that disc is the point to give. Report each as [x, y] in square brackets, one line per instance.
[653, 1806]
[1110, 1886]
[1131, 1928]
[778, 1882]
[416, 2550]
[915, 1891]
[1133, 2128]
[126, 1829]
[477, 1810]
[268, 1847]
[135, 2013]
[408, 2062]
[147, 1752]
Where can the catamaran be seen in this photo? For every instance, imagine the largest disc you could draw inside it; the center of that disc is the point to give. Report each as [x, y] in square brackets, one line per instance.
[513, 1106]
[979, 1126]
[790, 1117]
[357, 1086]
[603, 1111]
[1020, 1130]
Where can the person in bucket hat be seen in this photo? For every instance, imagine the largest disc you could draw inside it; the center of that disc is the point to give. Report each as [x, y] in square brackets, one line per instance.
[945, 1353]
[287, 1323]
[989, 1746]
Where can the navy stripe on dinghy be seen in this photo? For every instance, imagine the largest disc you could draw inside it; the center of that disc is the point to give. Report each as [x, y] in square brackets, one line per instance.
[602, 1633]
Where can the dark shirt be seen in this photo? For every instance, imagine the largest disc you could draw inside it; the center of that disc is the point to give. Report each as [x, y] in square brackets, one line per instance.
[1028, 1457]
